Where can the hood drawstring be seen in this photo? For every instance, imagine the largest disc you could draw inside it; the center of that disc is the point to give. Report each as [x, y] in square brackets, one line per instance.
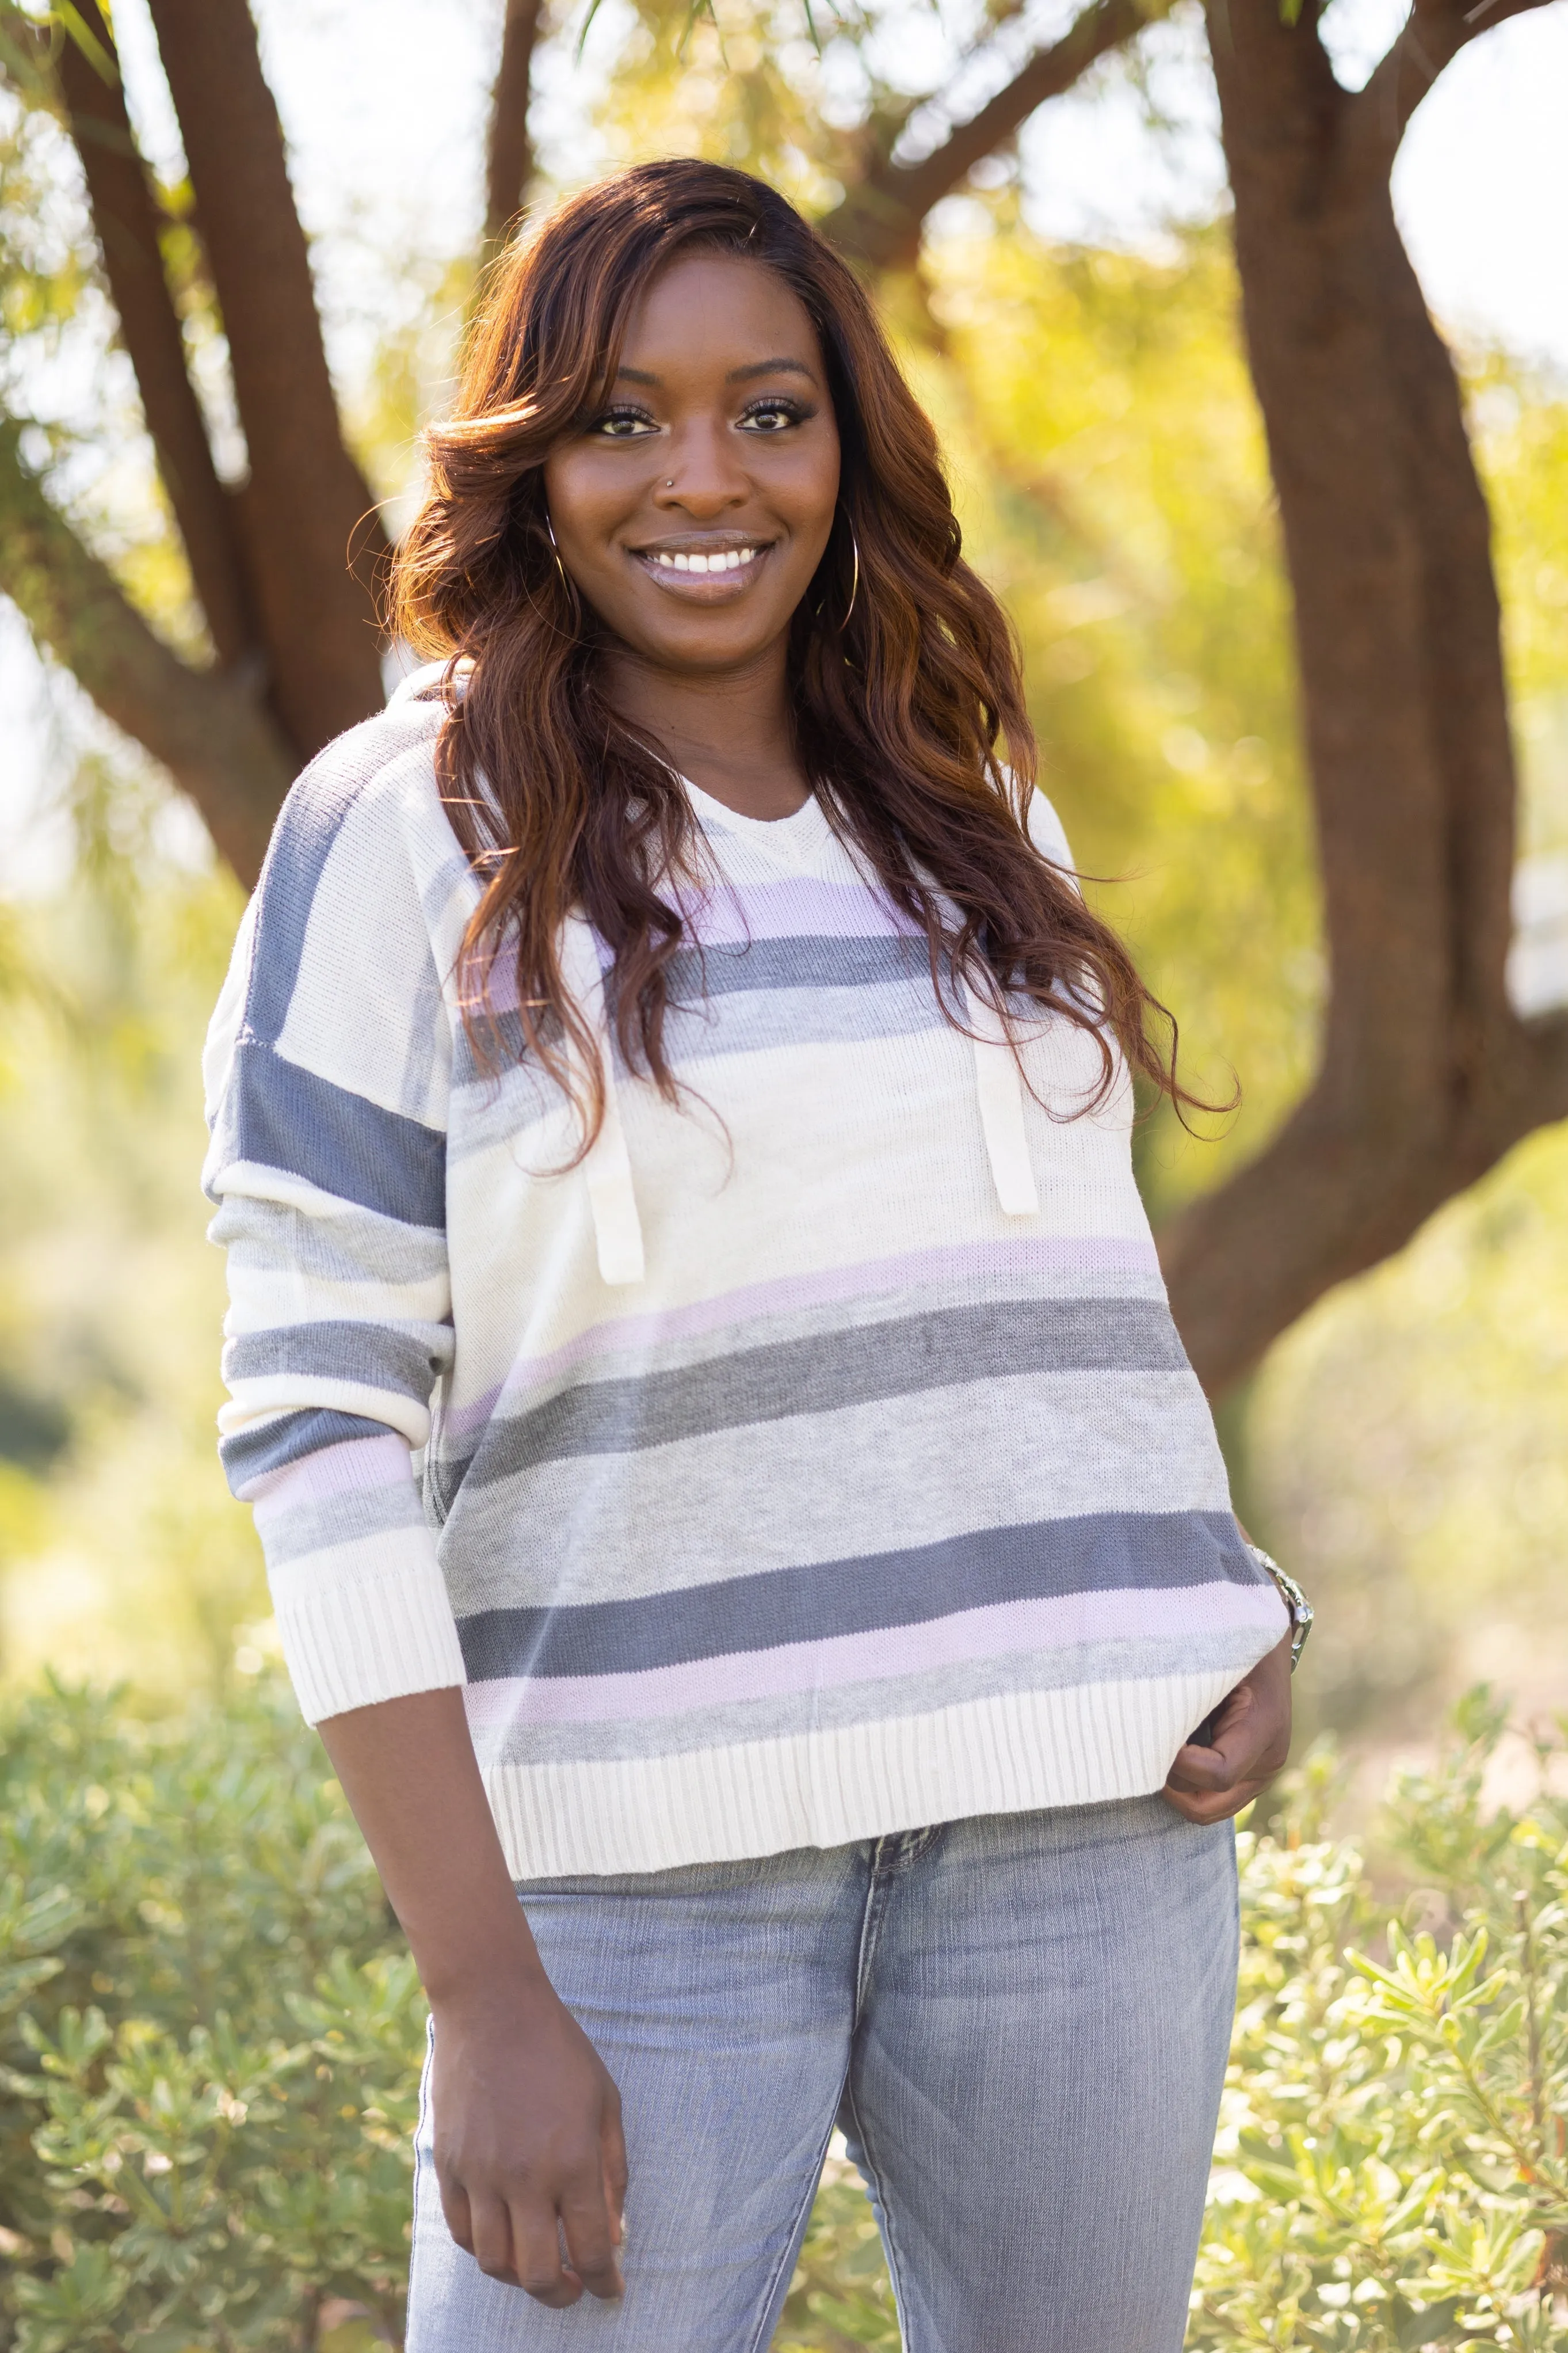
[606, 1166]
[999, 1085]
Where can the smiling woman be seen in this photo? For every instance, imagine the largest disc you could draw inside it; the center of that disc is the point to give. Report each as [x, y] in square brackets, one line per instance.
[729, 542]
[670, 1084]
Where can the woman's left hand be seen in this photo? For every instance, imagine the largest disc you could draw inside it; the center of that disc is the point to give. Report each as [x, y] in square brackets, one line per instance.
[1250, 1742]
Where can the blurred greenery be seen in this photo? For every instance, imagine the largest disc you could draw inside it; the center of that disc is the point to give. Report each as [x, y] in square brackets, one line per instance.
[210, 2039]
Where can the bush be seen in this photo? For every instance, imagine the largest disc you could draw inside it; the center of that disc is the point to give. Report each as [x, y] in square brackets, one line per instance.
[210, 2038]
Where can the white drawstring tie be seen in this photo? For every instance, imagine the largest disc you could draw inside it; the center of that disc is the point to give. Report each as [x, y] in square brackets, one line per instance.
[999, 1085]
[606, 1166]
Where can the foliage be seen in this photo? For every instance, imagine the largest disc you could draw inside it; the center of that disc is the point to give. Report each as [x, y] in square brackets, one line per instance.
[1390, 2169]
[210, 2039]
[208, 2032]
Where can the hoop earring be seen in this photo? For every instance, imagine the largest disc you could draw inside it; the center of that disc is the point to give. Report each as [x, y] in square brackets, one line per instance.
[566, 580]
[854, 576]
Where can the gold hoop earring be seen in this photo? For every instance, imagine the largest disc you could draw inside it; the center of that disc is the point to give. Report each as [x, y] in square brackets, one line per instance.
[854, 576]
[566, 580]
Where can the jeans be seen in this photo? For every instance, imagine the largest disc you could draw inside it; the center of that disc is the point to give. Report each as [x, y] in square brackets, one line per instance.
[1020, 2021]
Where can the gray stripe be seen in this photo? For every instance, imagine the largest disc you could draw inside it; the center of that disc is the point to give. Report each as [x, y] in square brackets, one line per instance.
[939, 1349]
[1032, 1286]
[1104, 1552]
[252, 1454]
[279, 1115]
[341, 1519]
[356, 1245]
[812, 960]
[900, 1471]
[376, 1356]
[307, 824]
[735, 1722]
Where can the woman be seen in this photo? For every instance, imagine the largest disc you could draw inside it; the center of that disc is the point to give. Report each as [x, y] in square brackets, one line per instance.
[669, 1083]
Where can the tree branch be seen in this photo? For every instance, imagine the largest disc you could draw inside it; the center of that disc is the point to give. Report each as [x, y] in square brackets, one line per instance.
[214, 737]
[878, 222]
[1430, 39]
[509, 160]
[126, 220]
[307, 505]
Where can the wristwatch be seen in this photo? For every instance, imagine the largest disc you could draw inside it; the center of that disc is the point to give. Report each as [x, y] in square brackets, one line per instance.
[1295, 1601]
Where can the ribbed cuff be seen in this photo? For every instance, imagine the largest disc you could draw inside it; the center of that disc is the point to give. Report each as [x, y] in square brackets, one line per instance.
[374, 1635]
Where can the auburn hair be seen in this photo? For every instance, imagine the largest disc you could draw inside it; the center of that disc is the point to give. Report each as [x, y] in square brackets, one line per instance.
[902, 708]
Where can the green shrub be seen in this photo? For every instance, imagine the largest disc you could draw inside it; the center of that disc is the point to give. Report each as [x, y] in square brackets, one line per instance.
[209, 2038]
[209, 2028]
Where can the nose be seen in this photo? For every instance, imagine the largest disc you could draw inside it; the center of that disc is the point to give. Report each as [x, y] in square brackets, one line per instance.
[701, 473]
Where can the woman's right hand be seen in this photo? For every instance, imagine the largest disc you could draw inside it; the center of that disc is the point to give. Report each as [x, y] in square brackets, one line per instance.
[527, 2124]
[529, 2145]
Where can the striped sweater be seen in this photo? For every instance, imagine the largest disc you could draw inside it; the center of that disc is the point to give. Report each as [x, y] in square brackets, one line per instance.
[815, 1460]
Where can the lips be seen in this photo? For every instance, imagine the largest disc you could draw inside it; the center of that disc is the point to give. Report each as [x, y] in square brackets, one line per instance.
[716, 564]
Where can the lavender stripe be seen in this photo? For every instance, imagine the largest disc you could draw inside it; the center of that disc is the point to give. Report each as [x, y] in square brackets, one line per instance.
[740, 912]
[354, 1466]
[1050, 1623]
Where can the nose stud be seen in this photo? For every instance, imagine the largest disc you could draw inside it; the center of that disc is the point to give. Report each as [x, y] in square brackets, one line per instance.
[671, 484]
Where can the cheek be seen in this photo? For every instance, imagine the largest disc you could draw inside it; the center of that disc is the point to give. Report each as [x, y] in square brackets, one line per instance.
[583, 506]
[808, 492]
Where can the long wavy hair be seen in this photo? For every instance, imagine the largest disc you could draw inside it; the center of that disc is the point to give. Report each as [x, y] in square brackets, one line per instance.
[902, 708]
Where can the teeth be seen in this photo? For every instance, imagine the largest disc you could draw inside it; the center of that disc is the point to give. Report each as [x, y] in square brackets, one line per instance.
[730, 560]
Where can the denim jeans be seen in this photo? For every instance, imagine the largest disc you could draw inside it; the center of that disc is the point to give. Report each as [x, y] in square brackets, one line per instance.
[1020, 2022]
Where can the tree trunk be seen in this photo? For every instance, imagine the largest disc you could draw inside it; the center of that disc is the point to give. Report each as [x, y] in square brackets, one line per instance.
[1427, 1076]
[312, 533]
[126, 219]
[508, 157]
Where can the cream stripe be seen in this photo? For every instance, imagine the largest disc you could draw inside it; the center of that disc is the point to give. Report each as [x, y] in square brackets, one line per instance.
[271, 1394]
[366, 1622]
[1007, 1753]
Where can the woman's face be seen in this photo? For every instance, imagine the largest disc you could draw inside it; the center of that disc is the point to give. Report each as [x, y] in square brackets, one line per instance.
[694, 509]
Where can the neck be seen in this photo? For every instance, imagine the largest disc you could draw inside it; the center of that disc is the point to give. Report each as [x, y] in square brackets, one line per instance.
[730, 732]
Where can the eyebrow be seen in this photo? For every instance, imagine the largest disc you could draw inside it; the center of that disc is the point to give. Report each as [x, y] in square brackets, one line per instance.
[780, 366]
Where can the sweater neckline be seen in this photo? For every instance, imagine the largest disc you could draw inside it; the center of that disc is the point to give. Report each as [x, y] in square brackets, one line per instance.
[797, 840]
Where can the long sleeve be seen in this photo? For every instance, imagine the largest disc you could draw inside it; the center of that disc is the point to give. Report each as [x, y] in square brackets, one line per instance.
[327, 1075]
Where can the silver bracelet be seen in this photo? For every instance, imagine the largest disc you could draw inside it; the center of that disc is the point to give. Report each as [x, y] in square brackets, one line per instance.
[1295, 1600]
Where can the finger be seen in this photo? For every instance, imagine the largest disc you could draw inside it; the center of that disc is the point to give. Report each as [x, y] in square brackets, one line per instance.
[1201, 1772]
[454, 2206]
[491, 2239]
[1219, 1808]
[536, 2255]
[586, 2217]
[613, 2157]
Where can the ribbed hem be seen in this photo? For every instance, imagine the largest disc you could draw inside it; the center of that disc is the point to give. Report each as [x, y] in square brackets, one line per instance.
[368, 1638]
[1008, 1753]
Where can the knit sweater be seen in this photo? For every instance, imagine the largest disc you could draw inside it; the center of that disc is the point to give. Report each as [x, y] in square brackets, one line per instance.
[815, 1460]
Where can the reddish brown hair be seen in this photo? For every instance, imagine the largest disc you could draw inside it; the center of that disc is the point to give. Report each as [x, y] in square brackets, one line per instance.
[900, 712]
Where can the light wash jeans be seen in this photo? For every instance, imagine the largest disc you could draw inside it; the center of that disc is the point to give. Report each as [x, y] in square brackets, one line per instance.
[1020, 2021]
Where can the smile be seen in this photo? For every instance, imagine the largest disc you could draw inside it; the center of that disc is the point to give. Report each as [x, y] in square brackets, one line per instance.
[706, 572]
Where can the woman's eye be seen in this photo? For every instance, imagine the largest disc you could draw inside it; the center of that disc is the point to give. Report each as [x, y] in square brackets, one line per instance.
[623, 425]
[773, 415]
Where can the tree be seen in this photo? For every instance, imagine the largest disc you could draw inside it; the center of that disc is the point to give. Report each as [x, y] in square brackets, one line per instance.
[1427, 1075]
